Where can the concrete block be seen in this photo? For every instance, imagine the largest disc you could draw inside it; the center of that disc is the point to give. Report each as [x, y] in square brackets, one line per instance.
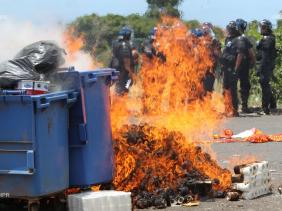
[100, 201]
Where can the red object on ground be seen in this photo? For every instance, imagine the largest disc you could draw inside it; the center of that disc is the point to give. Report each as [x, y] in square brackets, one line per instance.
[259, 138]
[276, 137]
[228, 133]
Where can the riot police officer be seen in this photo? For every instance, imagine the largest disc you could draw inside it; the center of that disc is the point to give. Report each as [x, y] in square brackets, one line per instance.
[246, 61]
[266, 54]
[122, 60]
[149, 46]
[214, 47]
[230, 62]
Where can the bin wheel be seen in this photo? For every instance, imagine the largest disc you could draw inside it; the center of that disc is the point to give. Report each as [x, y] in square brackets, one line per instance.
[33, 207]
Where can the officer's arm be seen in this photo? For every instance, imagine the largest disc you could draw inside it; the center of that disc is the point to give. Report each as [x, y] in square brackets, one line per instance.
[217, 48]
[268, 44]
[132, 74]
[241, 47]
[239, 61]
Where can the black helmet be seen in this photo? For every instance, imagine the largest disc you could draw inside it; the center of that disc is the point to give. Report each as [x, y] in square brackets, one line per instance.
[125, 32]
[207, 28]
[265, 24]
[207, 24]
[241, 24]
[232, 28]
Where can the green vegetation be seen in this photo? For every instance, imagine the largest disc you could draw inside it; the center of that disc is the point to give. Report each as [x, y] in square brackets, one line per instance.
[158, 7]
[100, 31]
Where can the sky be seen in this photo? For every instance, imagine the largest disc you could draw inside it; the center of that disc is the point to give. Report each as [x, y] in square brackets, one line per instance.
[219, 12]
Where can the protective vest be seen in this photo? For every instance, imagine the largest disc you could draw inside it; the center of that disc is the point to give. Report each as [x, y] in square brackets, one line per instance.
[266, 50]
[229, 53]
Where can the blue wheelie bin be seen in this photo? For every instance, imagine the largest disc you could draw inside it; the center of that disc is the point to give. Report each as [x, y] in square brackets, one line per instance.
[34, 159]
[91, 152]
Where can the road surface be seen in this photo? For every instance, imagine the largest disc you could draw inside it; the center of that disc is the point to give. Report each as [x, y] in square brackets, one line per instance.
[271, 152]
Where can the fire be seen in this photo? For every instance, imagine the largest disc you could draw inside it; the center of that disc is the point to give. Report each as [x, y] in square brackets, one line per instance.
[184, 55]
[228, 102]
[169, 97]
[73, 43]
[75, 56]
[149, 158]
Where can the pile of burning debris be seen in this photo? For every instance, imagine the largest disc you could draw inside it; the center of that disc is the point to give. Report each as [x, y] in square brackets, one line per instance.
[162, 168]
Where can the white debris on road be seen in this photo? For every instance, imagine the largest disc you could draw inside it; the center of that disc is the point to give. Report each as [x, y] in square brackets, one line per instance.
[256, 180]
[100, 201]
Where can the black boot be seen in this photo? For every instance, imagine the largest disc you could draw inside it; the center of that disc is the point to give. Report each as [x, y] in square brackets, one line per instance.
[246, 110]
[235, 113]
[273, 102]
[266, 111]
[273, 105]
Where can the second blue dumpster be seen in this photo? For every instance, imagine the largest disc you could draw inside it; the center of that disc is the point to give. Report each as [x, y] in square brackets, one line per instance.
[91, 153]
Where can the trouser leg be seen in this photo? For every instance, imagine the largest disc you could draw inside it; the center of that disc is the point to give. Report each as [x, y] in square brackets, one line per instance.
[266, 92]
[230, 88]
[245, 87]
[234, 92]
[209, 82]
[273, 101]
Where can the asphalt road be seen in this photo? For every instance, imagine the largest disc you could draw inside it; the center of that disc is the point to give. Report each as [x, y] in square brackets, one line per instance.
[271, 152]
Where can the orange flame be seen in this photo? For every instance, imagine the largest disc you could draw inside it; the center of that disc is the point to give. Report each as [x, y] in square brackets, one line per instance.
[169, 95]
[74, 44]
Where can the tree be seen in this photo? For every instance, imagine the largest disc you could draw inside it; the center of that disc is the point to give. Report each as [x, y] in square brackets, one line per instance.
[168, 7]
[191, 24]
[277, 82]
[100, 31]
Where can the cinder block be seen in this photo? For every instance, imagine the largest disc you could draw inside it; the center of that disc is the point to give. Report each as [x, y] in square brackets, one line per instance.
[263, 166]
[256, 180]
[249, 170]
[259, 191]
[100, 201]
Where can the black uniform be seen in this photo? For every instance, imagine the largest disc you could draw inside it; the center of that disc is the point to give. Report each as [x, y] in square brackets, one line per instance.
[230, 77]
[150, 51]
[266, 56]
[244, 45]
[123, 62]
[214, 46]
[148, 48]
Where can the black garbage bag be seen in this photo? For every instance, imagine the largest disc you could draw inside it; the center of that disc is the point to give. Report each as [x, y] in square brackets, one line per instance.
[12, 71]
[46, 56]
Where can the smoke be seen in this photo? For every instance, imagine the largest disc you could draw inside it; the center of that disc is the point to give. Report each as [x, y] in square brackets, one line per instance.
[82, 61]
[16, 34]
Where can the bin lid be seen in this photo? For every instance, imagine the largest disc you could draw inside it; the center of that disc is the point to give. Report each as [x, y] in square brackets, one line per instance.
[69, 78]
[43, 100]
[98, 72]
